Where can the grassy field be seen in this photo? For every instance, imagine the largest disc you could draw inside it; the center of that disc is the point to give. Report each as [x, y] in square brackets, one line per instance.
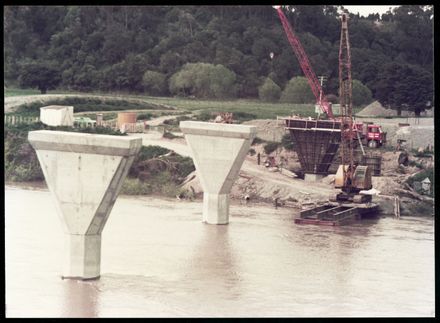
[256, 108]
[261, 110]
[17, 92]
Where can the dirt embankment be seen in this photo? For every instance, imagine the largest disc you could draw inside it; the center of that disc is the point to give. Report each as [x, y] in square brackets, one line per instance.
[375, 109]
[267, 184]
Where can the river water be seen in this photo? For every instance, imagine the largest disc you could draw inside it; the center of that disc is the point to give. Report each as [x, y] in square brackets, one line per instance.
[160, 260]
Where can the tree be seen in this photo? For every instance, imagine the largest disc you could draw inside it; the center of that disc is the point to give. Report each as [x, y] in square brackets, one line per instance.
[297, 91]
[405, 86]
[203, 80]
[41, 75]
[99, 47]
[360, 93]
[269, 91]
[154, 83]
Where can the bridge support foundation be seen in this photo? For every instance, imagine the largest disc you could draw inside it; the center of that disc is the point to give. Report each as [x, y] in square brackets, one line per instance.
[84, 173]
[218, 152]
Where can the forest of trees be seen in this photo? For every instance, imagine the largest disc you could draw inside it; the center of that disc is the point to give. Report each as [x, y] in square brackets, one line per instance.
[216, 51]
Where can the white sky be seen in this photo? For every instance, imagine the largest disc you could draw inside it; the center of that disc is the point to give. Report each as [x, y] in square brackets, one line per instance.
[367, 9]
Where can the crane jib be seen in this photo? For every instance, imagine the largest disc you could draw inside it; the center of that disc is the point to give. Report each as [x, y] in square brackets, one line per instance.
[305, 65]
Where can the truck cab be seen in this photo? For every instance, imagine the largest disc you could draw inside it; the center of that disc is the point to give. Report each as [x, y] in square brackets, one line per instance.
[374, 136]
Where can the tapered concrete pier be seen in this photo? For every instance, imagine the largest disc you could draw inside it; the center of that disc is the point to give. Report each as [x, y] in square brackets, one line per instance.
[84, 173]
[218, 152]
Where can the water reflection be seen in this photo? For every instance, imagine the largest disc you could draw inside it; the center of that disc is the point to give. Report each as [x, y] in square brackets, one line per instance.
[212, 261]
[81, 298]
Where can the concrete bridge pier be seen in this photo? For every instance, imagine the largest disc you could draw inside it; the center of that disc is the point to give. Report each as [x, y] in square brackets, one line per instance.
[218, 152]
[84, 173]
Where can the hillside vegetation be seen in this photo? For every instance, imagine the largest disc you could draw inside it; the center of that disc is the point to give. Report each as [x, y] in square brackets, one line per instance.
[217, 51]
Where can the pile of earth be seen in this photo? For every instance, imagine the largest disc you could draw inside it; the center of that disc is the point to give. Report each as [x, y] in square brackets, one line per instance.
[268, 129]
[415, 136]
[376, 109]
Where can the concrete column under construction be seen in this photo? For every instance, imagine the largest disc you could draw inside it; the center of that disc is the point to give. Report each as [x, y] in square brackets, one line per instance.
[218, 152]
[84, 173]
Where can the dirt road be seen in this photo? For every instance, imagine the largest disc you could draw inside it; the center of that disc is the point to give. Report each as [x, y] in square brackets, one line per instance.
[254, 179]
[12, 102]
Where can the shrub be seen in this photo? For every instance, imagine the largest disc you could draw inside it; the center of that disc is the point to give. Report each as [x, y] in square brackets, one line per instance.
[204, 116]
[269, 91]
[203, 80]
[134, 186]
[286, 142]
[144, 116]
[243, 116]
[297, 91]
[154, 83]
[252, 152]
[148, 152]
[270, 147]
[169, 135]
[257, 140]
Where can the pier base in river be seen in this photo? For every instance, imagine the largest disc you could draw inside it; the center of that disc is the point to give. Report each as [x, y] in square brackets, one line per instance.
[218, 152]
[84, 173]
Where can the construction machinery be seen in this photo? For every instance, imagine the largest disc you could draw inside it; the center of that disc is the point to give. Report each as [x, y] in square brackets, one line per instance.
[351, 178]
[305, 65]
[224, 117]
[371, 135]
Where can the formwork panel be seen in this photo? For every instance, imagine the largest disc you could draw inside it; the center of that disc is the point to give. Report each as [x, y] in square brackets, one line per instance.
[316, 142]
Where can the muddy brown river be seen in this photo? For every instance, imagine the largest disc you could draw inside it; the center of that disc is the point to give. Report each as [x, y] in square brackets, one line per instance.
[160, 260]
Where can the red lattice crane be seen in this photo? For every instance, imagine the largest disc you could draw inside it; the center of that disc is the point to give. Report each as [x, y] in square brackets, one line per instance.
[305, 65]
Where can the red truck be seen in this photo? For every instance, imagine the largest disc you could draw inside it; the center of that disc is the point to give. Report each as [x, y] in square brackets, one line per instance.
[371, 134]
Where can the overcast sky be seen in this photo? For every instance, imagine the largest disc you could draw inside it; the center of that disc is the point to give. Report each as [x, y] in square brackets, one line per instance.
[367, 9]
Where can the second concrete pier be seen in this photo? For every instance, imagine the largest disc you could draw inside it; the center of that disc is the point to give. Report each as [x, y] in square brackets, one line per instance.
[218, 152]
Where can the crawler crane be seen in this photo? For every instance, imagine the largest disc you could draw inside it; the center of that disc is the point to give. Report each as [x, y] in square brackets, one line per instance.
[350, 178]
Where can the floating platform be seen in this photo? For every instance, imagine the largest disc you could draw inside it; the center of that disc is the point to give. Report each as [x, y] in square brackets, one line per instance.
[335, 214]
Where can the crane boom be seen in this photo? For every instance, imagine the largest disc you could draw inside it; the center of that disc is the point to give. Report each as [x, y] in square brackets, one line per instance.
[345, 99]
[305, 64]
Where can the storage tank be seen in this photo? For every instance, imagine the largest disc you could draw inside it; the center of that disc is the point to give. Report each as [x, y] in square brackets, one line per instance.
[126, 117]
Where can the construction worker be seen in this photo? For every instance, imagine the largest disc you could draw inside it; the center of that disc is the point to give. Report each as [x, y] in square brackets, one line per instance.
[275, 202]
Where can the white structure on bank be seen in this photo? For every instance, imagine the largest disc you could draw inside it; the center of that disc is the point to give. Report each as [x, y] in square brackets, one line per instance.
[57, 115]
[218, 152]
[426, 186]
[84, 173]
